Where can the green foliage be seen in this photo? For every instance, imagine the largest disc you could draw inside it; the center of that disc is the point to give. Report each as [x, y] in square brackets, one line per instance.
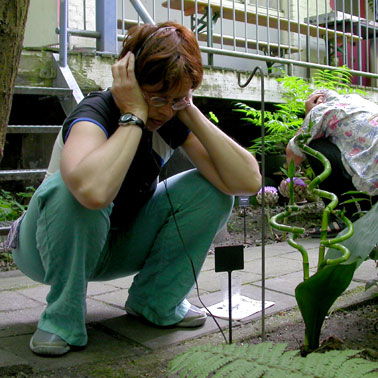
[361, 197]
[213, 118]
[267, 360]
[283, 123]
[316, 294]
[280, 126]
[13, 205]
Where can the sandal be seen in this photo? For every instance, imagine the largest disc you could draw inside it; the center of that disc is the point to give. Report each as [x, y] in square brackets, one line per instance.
[334, 227]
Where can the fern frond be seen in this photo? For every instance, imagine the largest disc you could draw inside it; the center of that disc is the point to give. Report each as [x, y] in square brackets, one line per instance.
[240, 369]
[213, 364]
[267, 360]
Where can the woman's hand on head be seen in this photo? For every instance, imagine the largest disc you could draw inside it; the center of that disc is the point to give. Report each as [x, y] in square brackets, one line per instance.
[125, 89]
[184, 113]
[313, 100]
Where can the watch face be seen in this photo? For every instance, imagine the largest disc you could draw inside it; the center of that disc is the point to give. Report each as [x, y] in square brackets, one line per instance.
[127, 117]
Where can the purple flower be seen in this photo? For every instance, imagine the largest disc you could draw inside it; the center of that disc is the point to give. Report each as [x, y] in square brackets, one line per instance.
[296, 181]
[271, 195]
[299, 186]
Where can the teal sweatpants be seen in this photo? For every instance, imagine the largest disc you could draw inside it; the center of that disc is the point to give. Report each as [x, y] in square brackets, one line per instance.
[65, 245]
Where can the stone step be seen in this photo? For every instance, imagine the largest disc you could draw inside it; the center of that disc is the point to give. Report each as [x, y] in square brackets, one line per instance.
[48, 91]
[5, 227]
[33, 129]
[21, 174]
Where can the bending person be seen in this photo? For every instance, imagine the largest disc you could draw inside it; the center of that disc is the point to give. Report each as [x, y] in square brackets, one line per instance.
[344, 128]
[102, 214]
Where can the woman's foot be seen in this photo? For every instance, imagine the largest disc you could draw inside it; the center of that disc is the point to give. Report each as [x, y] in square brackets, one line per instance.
[48, 344]
[195, 317]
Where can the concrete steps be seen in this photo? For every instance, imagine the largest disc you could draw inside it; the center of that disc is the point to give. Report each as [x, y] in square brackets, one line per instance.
[28, 147]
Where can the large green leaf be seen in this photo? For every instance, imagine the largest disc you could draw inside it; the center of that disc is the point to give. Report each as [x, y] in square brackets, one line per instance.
[316, 295]
[364, 239]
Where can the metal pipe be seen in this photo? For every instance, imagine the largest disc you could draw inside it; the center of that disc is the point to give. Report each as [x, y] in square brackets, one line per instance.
[63, 33]
[81, 33]
[142, 11]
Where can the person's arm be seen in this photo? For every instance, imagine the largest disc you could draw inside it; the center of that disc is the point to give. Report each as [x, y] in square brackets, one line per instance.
[227, 165]
[292, 150]
[294, 153]
[94, 167]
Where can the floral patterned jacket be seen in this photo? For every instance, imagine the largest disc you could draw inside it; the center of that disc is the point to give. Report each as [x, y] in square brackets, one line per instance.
[351, 123]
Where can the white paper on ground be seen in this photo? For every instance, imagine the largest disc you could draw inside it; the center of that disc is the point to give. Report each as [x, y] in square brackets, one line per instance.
[242, 307]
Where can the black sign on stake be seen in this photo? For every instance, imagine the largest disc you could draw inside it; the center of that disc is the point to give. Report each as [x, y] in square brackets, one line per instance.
[244, 202]
[227, 259]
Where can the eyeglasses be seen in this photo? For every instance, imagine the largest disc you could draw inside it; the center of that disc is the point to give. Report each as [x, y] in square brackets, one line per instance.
[158, 102]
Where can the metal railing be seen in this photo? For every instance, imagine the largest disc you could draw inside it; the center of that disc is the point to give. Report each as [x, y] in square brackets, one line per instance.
[296, 35]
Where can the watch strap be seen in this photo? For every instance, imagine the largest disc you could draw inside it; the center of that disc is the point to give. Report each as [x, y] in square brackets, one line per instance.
[131, 119]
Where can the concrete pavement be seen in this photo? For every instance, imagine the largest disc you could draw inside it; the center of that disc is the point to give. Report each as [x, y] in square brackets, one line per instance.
[111, 331]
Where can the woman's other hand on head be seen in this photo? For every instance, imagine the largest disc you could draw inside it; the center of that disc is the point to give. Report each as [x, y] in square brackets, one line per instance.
[125, 89]
[313, 100]
[183, 114]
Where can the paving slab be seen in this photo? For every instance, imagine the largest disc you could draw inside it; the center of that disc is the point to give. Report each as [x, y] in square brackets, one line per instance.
[209, 263]
[120, 283]
[101, 346]
[274, 266]
[366, 271]
[281, 301]
[286, 284]
[17, 329]
[12, 364]
[209, 281]
[153, 337]
[37, 293]
[15, 279]
[13, 300]
[116, 298]
[278, 249]
[98, 311]
[23, 316]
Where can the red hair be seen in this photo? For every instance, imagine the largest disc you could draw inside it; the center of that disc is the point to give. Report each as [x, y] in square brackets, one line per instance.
[165, 53]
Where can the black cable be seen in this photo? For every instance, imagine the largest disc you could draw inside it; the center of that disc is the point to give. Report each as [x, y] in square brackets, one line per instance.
[185, 250]
[190, 259]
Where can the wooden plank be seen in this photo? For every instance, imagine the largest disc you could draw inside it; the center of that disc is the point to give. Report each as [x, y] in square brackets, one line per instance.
[260, 19]
[251, 43]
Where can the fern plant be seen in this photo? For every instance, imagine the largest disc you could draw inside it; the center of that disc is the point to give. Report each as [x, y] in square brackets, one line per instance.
[268, 360]
[282, 124]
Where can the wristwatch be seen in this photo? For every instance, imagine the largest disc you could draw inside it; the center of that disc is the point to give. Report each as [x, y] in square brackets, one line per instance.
[130, 119]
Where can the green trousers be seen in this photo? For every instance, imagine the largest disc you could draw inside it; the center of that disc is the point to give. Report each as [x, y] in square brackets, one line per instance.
[65, 245]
